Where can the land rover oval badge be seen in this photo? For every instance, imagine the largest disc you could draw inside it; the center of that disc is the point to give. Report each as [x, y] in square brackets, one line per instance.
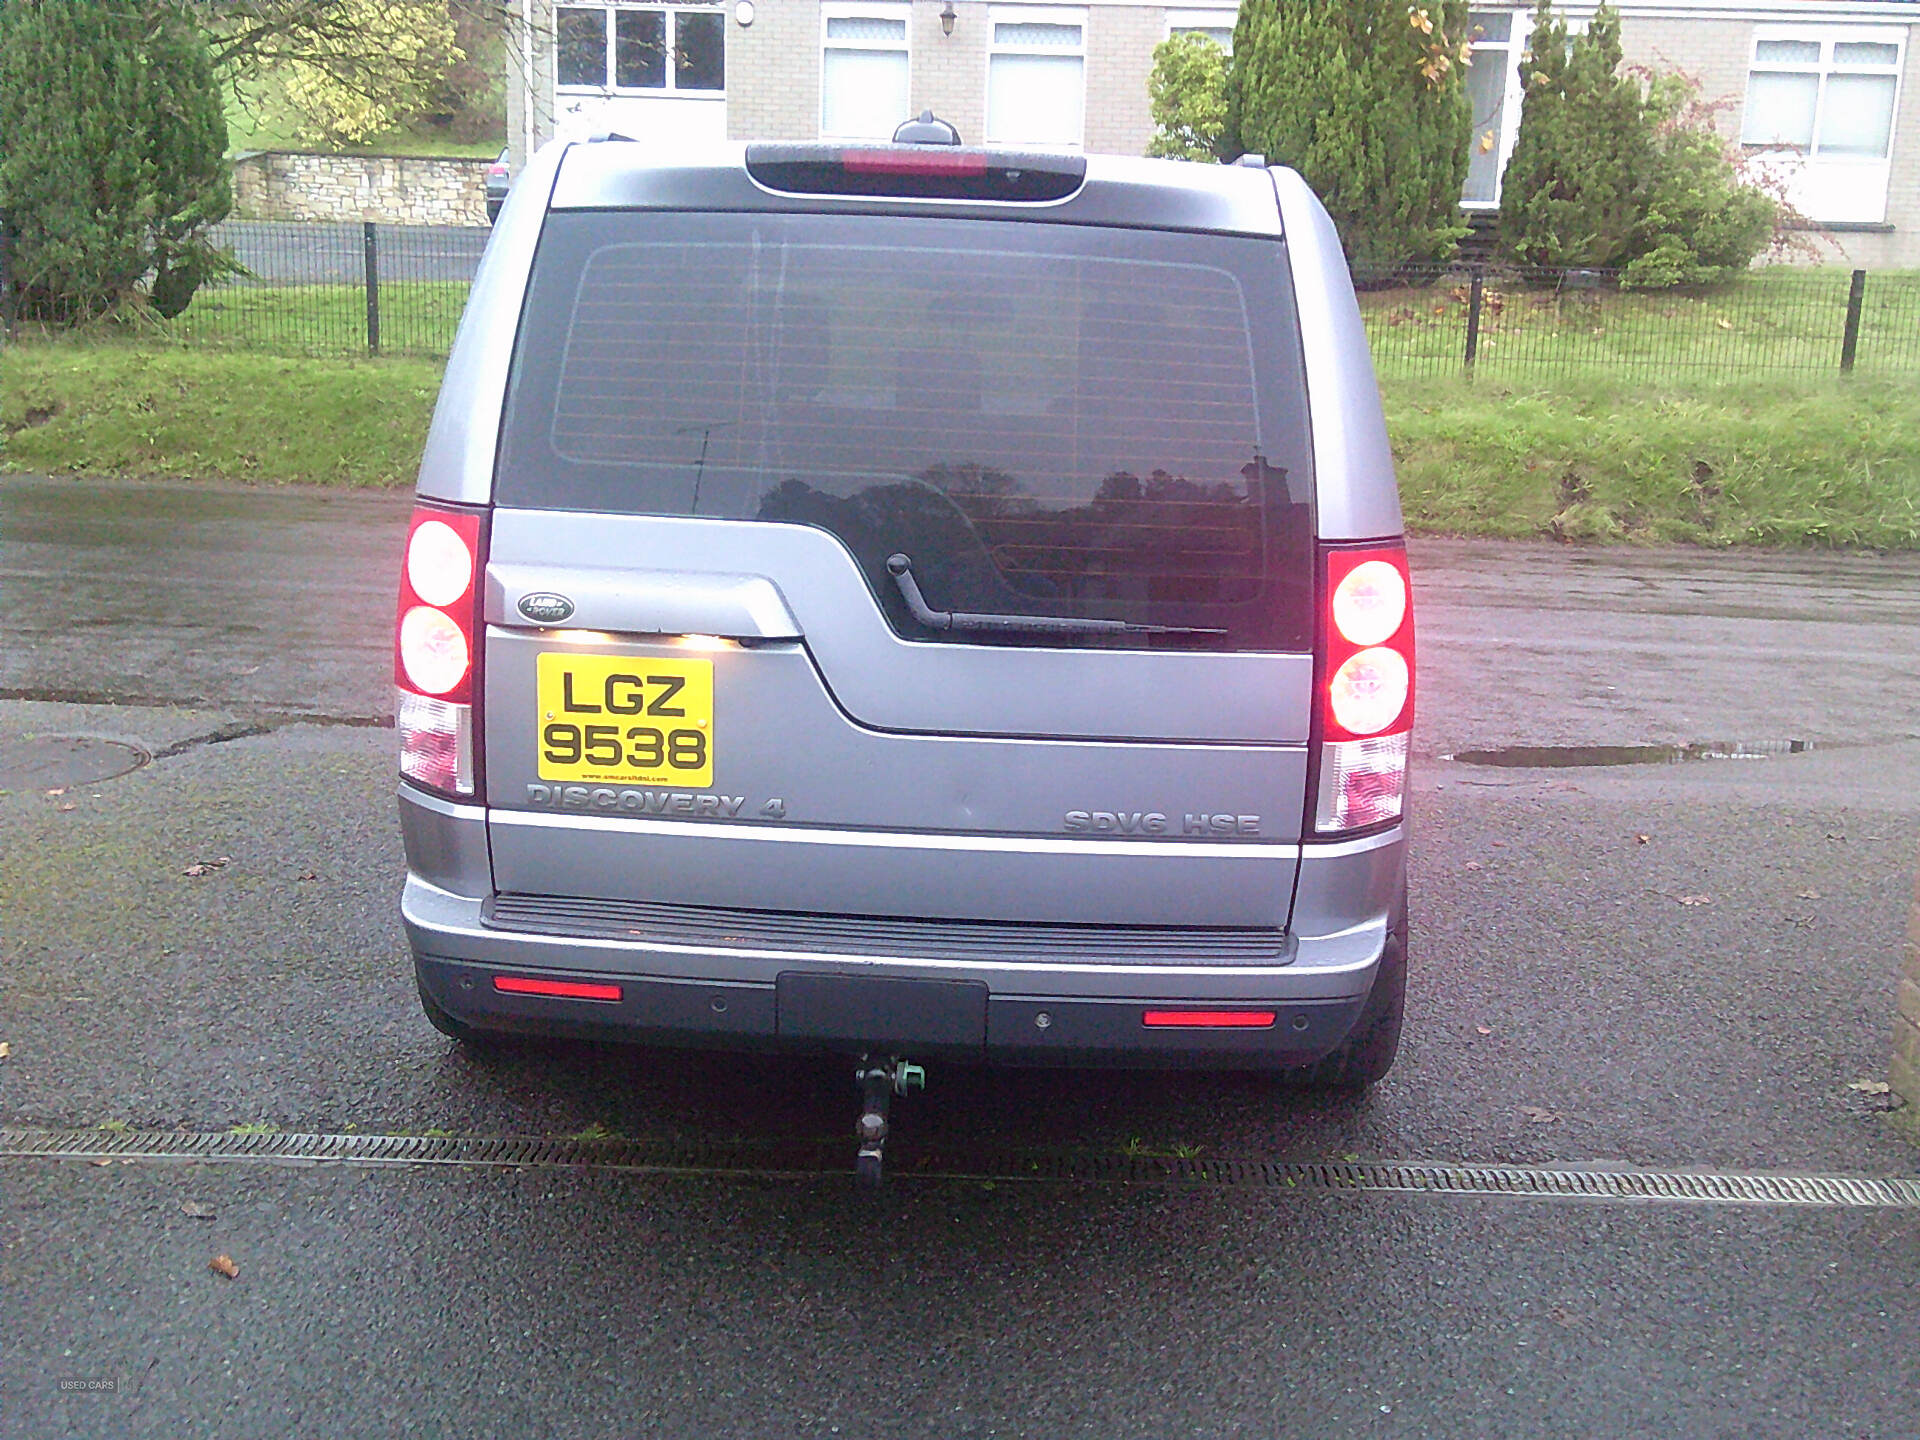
[543, 607]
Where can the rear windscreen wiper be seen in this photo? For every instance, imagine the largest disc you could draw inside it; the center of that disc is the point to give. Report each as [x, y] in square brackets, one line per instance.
[901, 568]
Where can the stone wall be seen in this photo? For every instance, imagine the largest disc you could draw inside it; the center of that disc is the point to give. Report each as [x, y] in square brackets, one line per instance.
[395, 190]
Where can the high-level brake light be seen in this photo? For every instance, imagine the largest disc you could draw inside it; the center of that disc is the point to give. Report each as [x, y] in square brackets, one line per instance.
[435, 659]
[1364, 715]
[923, 172]
[914, 162]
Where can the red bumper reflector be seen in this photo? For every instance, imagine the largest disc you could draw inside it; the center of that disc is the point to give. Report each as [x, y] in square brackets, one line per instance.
[559, 989]
[1208, 1019]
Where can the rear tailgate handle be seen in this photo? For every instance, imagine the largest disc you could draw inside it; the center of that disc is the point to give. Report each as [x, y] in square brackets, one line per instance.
[639, 602]
[901, 568]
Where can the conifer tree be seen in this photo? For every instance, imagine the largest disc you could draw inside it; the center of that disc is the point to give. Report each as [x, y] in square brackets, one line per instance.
[1584, 163]
[111, 155]
[1365, 99]
[186, 127]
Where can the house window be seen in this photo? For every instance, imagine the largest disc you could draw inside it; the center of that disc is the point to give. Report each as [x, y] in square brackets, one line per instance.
[1036, 76]
[1216, 25]
[1822, 96]
[863, 70]
[625, 48]
[1820, 114]
[1493, 90]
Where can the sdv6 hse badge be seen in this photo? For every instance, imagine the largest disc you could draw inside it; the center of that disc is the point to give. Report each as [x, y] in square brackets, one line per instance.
[543, 607]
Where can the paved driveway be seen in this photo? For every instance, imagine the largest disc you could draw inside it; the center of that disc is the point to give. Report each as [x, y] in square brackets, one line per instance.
[1669, 968]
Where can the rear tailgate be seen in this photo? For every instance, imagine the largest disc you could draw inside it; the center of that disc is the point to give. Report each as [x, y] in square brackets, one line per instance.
[720, 430]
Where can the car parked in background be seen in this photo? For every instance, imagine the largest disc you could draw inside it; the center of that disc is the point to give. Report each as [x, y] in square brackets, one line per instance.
[499, 177]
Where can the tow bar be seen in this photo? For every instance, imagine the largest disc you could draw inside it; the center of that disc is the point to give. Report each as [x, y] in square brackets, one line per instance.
[879, 1083]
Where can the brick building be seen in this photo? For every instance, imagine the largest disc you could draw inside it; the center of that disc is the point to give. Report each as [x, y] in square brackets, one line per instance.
[1817, 91]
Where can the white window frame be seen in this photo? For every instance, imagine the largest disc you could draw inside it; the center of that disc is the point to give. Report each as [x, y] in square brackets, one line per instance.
[1825, 68]
[609, 88]
[1187, 22]
[1510, 50]
[1829, 188]
[998, 15]
[873, 10]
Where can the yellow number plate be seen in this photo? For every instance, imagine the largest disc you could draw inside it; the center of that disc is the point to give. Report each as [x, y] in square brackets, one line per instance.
[626, 720]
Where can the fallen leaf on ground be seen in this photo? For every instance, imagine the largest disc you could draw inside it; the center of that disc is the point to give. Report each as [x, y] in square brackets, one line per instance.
[68, 806]
[98, 1163]
[207, 867]
[1484, 1029]
[1475, 865]
[52, 793]
[307, 875]
[1538, 1116]
[1809, 894]
[223, 1264]
[1695, 899]
[197, 1210]
[1870, 1087]
[5, 1049]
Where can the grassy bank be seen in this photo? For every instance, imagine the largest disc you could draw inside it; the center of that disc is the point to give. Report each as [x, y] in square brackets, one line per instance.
[1771, 462]
[111, 409]
[1782, 462]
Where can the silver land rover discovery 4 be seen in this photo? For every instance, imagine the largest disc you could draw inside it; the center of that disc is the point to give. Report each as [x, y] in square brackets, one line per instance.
[911, 601]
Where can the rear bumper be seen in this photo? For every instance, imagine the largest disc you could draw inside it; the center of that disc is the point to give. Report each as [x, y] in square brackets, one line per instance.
[881, 1013]
[751, 994]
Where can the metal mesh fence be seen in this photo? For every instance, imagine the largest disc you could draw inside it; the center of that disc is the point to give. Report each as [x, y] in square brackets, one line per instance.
[317, 288]
[1520, 323]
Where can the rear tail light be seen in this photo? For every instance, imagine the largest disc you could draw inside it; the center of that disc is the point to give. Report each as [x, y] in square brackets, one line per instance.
[1364, 711]
[436, 657]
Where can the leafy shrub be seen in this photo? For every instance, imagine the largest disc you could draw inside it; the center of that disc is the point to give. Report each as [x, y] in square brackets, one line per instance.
[1702, 224]
[1365, 99]
[1187, 94]
[1583, 167]
[1622, 168]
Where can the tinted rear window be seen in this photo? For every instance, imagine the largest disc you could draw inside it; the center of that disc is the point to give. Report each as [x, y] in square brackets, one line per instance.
[1048, 419]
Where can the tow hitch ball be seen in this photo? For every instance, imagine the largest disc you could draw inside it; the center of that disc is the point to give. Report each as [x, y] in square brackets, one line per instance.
[879, 1082]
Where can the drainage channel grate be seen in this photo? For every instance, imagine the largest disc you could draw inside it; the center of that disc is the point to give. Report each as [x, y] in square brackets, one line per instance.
[812, 1158]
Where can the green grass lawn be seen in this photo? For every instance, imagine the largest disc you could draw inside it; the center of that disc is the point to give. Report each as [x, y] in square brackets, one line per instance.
[417, 317]
[1774, 461]
[1579, 456]
[149, 410]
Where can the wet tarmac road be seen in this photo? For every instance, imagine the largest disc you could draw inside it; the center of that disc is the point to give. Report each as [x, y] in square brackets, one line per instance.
[309, 252]
[1562, 974]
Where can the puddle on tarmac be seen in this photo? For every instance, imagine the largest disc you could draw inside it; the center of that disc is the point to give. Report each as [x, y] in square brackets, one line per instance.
[1553, 757]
